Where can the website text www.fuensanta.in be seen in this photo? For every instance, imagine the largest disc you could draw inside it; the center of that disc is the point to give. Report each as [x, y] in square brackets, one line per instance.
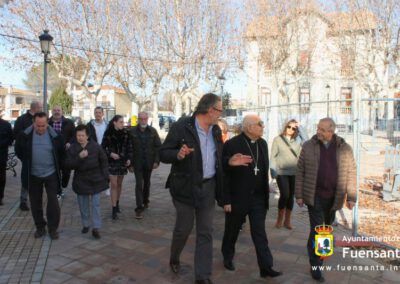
[340, 267]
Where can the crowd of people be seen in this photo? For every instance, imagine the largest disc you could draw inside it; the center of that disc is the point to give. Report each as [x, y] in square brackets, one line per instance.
[207, 167]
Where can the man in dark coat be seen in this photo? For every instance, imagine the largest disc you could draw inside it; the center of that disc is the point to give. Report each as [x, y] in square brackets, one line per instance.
[246, 192]
[66, 128]
[6, 138]
[194, 146]
[41, 149]
[22, 123]
[146, 144]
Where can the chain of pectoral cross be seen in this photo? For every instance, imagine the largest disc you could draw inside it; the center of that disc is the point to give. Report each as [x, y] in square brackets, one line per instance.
[256, 169]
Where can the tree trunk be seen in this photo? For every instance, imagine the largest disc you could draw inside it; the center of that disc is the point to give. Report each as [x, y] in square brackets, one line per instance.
[178, 105]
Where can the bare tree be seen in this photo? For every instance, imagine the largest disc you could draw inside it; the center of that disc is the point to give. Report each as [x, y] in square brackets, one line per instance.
[83, 33]
[374, 44]
[199, 35]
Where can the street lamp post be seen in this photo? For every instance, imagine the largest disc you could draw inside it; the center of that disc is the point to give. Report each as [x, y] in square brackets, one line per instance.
[328, 88]
[45, 42]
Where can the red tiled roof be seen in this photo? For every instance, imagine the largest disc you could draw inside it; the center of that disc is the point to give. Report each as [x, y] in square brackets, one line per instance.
[337, 22]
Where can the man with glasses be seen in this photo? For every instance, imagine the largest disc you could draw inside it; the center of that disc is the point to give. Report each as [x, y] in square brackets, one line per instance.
[246, 192]
[325, 179]
[194, 146]
[146, 144]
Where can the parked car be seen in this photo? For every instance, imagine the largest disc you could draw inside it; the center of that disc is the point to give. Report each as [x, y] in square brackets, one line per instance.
[165, 121]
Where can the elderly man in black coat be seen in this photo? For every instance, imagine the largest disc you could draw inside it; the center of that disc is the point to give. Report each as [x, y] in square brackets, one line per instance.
[246, 192]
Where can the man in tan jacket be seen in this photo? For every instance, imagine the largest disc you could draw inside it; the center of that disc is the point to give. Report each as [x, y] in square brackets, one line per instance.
[325, 179]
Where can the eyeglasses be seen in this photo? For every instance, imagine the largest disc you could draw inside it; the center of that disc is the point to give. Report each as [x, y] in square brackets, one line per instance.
[260, 123]
[219, 110]
[291, 127]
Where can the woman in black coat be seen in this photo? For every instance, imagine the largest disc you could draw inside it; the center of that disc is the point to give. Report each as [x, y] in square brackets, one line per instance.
[118, 148]
[89, 161]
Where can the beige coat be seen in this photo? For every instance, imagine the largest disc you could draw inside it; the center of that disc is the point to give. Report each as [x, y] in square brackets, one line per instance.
[307, 170]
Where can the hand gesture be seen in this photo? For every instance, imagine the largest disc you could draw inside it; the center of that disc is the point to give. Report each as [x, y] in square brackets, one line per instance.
[300, 202]
[350, 204]
[114, 156]
[127, 163]
[83, 154]
[240, 160]
[184, 151]
[228, 208]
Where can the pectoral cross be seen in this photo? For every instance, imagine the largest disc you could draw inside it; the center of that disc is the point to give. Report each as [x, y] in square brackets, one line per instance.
[256, 170]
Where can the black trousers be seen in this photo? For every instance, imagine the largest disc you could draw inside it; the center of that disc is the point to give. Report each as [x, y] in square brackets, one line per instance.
[52, 187]
[2, 180]
[319, 214]
[65, 175]
[286, 186]
[233, 221]
[142, 188]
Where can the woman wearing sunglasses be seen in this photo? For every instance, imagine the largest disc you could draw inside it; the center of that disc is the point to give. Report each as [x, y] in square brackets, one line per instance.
[284, 155]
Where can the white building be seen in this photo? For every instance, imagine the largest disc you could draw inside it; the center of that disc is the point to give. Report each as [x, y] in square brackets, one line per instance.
[16, 102]
[113, 100]
[308, 57]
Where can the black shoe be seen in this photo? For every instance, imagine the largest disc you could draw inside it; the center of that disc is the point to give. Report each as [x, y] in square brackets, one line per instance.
[269, 272]
[95, 234]
[53, 235]
[24, 206]
[317, 275]
[206, 281]
[114, 213]
[40, 232]
[85, 230]
[228, 264]
[146, 205]
[118, 210]
[175, 266]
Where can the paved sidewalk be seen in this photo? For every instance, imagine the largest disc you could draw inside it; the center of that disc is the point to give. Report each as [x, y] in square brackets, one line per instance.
[137, 251]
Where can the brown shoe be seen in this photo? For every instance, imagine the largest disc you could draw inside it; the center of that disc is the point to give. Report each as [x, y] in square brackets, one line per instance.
[287, 224]
[279, 220]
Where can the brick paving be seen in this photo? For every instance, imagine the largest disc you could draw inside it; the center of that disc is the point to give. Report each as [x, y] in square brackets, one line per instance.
[137, 251]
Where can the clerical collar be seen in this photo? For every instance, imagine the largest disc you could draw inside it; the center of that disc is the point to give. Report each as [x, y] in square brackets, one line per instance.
[248, 139]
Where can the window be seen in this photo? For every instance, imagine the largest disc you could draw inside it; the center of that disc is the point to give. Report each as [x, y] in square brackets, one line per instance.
[19, 100]
[345, 94]
[347, 57]
[304, 98]
[303, 60]
[265, 96]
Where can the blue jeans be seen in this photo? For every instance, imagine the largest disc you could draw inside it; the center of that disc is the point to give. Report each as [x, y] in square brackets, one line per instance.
[84, 207]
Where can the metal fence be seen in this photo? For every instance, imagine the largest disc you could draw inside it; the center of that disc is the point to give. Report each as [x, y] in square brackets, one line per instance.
[372, 128]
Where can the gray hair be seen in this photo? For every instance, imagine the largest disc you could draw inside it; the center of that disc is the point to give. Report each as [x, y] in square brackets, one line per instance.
[34, 104]
[143, 113]
[332, 124]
